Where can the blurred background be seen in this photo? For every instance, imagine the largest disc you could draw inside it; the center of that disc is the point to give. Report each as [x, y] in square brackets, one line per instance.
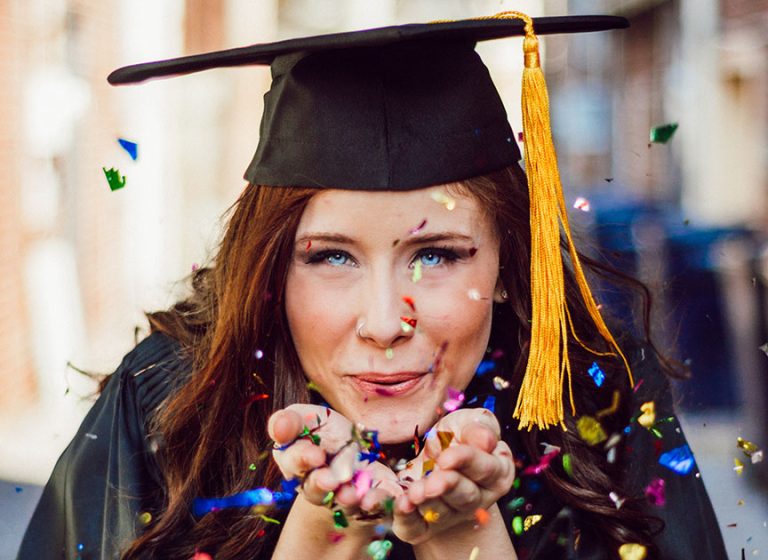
[80, 263]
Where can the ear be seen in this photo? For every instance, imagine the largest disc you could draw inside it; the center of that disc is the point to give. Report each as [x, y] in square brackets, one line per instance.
[499, 293]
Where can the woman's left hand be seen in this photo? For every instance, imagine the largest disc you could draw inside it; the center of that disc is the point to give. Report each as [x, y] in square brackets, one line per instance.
[473, 471]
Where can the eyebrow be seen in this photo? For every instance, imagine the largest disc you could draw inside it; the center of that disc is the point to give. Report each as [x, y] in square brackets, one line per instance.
[406, 241]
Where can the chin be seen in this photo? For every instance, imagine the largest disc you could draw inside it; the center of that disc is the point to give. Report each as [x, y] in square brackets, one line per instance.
[396, 426]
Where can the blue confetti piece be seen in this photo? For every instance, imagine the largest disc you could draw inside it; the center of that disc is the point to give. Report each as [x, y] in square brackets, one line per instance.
[679, 459]
[473, 400]
[485, 366]
[257, 497]
[131, 147]
[490, 404]
[598, 375]
[370, 457]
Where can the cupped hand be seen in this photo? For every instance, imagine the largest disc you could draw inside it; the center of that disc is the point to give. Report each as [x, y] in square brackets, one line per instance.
[474, 471]
[330, 464]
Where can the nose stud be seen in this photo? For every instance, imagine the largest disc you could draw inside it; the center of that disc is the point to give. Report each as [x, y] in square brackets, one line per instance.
[359, 329]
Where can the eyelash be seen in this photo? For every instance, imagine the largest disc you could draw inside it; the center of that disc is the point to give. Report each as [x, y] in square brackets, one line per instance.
[448, 255]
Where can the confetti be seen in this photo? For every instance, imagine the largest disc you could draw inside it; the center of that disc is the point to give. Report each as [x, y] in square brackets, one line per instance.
[202, 556]
[444, 199]
[530, 521]
[597, 374]
[258, 354]
[409, 301]
[91, 436]
[431, 516]
[567, 465]
[617, 501]
[590, 430]
[362, 482]
[131, 147]
[269, 519]
[114, 179]
[454, 401]
[259, 496]
[663, 133]
[582, 204]
[738, 466]
[543, 463]
[757, 457]
[490, 403]
[418, 228]
[648, 417]
[614, 405]
[517, 525]
[445, 439]
[407, 323]
[764, 348]
[340, 520]
[145, 518]
[379, 550]
[746, 446]
[475, 554]
[313, 387]
[334, 537]
[416, 272]
[632, 551]
[499, 383]
[427, 467]
[484, 367]
[482, 516]
[474, 294]
[389, 353]
[655, 492]
[679, 459]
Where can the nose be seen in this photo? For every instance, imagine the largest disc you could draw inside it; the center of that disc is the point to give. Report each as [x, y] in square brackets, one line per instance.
[382, 307]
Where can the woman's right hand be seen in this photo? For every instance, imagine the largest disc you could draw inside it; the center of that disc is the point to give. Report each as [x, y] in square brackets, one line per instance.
[300, 457]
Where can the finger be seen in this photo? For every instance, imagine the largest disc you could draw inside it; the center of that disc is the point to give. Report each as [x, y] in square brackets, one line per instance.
[480, 435]
[317, 485]
[284, 426]
[482, 468]
[409, 525]
[374, 499]
[299, 458]
[458, 492]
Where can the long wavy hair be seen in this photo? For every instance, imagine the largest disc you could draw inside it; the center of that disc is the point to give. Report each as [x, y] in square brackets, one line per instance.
[234, 330]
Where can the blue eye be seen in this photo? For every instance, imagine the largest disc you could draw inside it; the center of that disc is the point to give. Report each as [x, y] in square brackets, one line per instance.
[331, 257]
[433, 256]
[336, 259]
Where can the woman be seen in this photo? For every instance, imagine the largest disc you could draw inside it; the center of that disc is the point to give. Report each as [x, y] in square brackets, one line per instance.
[385, 269]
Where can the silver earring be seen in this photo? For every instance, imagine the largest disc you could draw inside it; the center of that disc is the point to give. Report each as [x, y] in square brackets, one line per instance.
[504, 295]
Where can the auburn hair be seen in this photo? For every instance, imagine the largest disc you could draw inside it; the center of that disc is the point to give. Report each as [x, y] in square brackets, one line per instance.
[213, 433]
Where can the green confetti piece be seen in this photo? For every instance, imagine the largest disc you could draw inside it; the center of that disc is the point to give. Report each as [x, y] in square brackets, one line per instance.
[517, 503]
[340, 520]
[379, 550]
[517, 525]
[516, 483]
[269, 519]
[114, 179]
[314, 438]
[389, 353]
[389, 505]
[567, 465]
[312, 387]
[252, 467]
[416, 272]
[328, 498]
[663, 133]
[657, 433]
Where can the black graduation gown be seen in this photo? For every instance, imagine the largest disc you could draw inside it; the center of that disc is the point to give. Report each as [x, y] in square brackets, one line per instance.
[101, 485]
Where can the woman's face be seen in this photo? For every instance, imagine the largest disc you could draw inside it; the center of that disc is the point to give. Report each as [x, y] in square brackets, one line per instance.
[353, 293]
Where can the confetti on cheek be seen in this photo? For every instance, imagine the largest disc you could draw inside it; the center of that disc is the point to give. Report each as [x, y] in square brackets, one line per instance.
[114, 179]
[418, 228]
[663, 133]
[131, 147]
[679, 460]
[582, 204]
[648, 417]
[482, 516]
[597, 374]
[474, 294]
[590, 430]
[389, 353]
[410, 303]
[334, 537]
[475, 554]
[410, 321]
[444, 199]
[655, 492]
[416, 276]
[632, 551]
[454, 401]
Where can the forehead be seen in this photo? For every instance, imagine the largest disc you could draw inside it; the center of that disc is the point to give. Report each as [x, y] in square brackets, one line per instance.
[394, 212]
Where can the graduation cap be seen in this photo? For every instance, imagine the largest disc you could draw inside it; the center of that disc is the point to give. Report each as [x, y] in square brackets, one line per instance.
[411, 106]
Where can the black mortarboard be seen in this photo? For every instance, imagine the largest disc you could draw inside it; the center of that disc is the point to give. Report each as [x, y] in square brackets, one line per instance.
[410, 106]
[393, 108]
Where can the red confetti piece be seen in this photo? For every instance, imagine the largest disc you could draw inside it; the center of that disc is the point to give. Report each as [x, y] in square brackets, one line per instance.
[418, 228]
[334, 537]
[409, 320]
[409, 301]
[309, 244]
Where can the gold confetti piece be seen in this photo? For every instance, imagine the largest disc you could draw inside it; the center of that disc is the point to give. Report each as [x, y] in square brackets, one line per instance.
[416, 272]
[431, 516]
[611, 409]
[746, 446]
[590, 430]
[738, 466]
[632, 551]
[427, 466]
[444, 199]
[475, 554]
[740, 503]
[145, 518]
[445, 439]
[648, 417]
[530, 521]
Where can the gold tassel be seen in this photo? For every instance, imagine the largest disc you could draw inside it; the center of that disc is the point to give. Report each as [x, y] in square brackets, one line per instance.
[540, 401]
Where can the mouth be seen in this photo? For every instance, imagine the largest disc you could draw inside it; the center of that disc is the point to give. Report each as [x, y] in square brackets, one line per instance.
[388, 385]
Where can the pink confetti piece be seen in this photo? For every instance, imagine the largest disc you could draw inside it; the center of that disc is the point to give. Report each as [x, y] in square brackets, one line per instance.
[543, 464]
[454, 401]
[418, 228]
[655, 492]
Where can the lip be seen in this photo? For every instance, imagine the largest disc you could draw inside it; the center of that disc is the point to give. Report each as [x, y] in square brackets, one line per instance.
[388, 384]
